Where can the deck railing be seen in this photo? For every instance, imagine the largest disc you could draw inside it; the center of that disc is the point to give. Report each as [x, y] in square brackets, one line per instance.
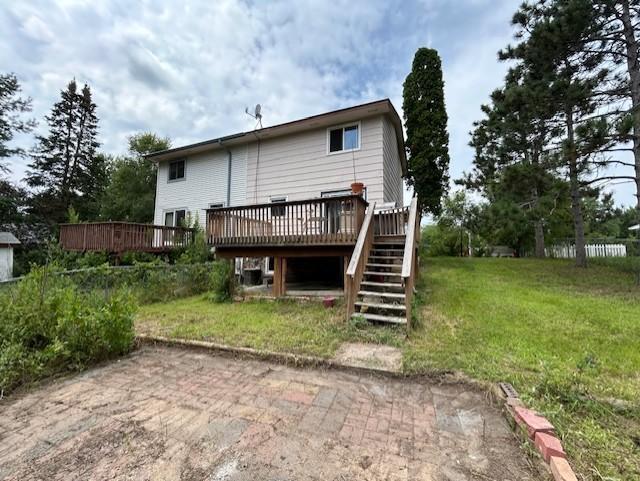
[330, 220]
[391, 222]
[410, 261]
[120, 237]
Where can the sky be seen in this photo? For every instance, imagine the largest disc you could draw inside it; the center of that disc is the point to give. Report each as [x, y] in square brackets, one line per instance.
[188, 69]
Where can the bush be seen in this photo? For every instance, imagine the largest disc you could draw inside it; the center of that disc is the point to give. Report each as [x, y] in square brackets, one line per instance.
[223, 281]
[149, 282]
[198, 251]
[133, 258]
[48, 325]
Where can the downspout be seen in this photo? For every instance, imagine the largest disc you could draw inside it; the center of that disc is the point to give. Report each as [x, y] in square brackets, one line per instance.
[229, 161]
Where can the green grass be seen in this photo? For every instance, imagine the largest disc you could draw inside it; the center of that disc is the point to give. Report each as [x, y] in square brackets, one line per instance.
[567, 339]
[282, 326]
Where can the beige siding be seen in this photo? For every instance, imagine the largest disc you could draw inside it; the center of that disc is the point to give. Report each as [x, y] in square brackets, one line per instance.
[205, 183]
[299, 167]
[392, 168]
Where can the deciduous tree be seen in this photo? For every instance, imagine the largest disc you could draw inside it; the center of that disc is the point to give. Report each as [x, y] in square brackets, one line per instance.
[130, 192]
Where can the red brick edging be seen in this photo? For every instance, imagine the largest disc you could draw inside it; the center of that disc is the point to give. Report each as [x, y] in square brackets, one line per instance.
[539, 431]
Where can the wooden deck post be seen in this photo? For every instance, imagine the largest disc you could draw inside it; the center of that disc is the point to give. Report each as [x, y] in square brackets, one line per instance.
[279, 276]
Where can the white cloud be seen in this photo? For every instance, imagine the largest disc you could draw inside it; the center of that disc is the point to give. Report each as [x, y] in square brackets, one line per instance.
[187, 70]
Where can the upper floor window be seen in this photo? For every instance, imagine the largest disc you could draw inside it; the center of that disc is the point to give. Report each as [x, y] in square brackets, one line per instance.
[345, 138]
[176, 170]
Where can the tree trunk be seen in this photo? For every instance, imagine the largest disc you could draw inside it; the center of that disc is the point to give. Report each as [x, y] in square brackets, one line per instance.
[539, 237]
[576, 195]
[538, 228]
[633, 66]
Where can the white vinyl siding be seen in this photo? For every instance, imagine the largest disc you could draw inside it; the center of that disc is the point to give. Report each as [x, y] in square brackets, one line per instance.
[297, 166]
[392, 168]
[205, 183]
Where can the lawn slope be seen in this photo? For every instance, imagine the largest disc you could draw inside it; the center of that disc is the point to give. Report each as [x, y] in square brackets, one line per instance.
[567, 339]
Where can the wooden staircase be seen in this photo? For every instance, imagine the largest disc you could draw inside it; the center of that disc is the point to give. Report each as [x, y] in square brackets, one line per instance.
[381, 296]
[381, 273]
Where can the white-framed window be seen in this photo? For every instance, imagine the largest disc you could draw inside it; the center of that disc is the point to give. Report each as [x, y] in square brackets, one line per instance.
[280, 210]
[343, 138]
[177, 170]
[175, 217]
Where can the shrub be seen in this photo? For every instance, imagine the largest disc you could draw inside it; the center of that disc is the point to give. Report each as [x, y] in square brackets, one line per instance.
[133, 258]
[48, 324]
[223, 281]
[198, 251]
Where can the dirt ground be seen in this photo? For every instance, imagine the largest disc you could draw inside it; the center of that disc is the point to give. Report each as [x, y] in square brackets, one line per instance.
[169, 414]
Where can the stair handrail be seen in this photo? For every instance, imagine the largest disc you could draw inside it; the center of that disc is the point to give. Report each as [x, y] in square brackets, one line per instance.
[355, 270]
[409, 259]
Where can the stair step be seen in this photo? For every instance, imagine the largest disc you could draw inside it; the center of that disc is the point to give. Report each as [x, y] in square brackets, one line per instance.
[385, 274]
[382, 284]
[396, 251]
[375, 305]
[392, 239]
[390, 295]
[384, 265]
[381, 318]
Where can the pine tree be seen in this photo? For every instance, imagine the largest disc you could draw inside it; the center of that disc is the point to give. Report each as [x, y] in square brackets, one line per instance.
[618, 38]
[510, 145]
[12, 106]
[551, 52]
[65, 167]
[426, 123]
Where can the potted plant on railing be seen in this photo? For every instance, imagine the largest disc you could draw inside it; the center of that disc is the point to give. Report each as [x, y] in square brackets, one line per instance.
[357, 188]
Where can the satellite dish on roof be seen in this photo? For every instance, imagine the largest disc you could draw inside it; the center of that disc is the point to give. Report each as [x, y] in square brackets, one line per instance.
[257, 114]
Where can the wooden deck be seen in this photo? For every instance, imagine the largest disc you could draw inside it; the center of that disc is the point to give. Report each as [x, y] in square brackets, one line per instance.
[119, 237]
[331, 221]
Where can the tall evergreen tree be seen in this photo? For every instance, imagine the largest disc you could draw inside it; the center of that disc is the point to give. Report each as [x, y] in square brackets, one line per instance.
[553, 34]
[511, 166]
[12, 106]
[618, 37]
[425, 119]
[65, 168]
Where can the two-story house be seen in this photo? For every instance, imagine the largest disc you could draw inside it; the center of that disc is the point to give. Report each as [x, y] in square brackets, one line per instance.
[319, 200]
[318, 156]
[303, 196]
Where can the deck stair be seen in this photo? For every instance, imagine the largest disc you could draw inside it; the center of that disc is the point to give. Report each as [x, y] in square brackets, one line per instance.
[380, 277]
[381, 296]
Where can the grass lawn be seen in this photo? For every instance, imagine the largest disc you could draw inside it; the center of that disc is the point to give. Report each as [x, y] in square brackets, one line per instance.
[284, 326]
[567, 339]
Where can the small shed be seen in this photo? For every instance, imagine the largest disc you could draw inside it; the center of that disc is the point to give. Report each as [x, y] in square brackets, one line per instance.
[7, 242]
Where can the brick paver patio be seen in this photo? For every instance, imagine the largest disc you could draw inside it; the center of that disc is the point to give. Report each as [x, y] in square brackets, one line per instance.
[171, 414]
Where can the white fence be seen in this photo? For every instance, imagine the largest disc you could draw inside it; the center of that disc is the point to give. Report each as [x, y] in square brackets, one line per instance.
[566, 251]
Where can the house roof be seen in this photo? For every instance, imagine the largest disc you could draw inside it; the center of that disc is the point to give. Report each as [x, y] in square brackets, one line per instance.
[7, 238]
[327, 119]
